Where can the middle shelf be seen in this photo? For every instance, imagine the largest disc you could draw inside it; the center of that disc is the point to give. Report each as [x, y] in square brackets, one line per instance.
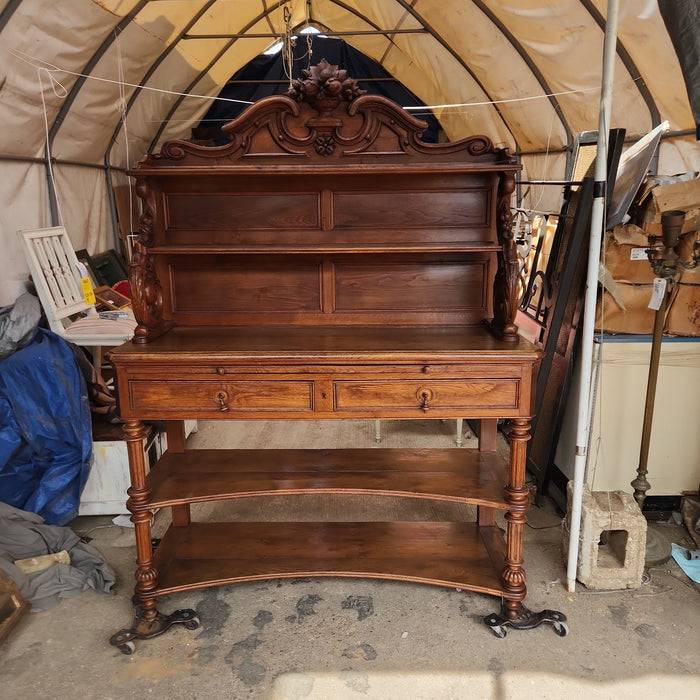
[456, 474]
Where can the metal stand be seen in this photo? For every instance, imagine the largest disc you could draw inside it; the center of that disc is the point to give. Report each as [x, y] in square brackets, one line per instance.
[147, 629]
[668, 266]
[526, 620]
[640, 484]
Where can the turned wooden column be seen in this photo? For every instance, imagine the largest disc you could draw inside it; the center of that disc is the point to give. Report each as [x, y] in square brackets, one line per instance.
[517, 498]
[138, 505]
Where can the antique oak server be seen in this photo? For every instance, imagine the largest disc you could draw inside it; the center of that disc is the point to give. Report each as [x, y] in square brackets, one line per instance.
[327, 263]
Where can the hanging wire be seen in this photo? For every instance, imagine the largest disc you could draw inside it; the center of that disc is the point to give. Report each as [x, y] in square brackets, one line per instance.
[289, 41]
[288, 44]
[49, 68]
[309, 35]
[122, 108]
[61, 94]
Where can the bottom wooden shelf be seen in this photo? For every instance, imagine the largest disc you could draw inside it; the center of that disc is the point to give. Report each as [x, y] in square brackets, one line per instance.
[459, 555]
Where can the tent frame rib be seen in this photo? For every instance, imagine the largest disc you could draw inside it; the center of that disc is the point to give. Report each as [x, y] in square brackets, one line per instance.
[629, 64]
[7, 12]
[107, 158]
[438, 37]
[520, 50]
[272, 35]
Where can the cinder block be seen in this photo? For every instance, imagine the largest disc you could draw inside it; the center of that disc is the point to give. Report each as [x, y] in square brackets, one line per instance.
[612, 541]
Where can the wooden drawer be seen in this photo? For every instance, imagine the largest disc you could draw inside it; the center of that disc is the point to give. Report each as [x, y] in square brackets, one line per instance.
[221, 396]
[426, 395]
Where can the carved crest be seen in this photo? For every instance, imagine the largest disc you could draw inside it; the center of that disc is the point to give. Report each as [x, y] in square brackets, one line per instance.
[325, 116]
[324, 87]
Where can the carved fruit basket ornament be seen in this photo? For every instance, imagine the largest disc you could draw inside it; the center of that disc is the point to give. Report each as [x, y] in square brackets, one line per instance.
[324, 87]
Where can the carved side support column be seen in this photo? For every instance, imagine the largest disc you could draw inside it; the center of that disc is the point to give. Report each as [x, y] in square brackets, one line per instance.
[517, 497]
[145, 287]
[505, 286]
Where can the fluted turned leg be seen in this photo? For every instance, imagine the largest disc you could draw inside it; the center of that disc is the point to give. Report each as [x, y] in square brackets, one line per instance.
[141, 515]
[517, 498]
[148, 621]
[513, 613]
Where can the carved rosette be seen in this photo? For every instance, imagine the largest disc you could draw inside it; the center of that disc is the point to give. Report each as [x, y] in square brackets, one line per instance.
[325, 144]
[146, 291]
[507, 275]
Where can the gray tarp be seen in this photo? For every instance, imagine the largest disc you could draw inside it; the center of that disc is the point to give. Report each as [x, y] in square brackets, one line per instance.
[24, 535]
[18, 324]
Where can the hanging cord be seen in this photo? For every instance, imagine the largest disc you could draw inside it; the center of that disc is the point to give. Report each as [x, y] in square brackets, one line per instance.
[288, 44]
[122, 108]
[309, 35]
[49, 69]
[61, 93]
[536, 205]
[457, 105]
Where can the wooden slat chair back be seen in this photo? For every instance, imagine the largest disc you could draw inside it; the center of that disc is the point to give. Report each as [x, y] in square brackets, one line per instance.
[54, 268]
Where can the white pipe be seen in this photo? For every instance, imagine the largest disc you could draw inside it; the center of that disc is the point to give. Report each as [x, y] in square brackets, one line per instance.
[597, 224]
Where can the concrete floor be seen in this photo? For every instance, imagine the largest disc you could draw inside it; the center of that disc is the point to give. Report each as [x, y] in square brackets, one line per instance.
[321, 639]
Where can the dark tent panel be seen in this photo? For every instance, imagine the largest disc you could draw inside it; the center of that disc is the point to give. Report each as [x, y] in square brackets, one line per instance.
[267, 75]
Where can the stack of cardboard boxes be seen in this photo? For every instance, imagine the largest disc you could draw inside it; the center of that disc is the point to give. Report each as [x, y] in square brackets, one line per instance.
[628, 275]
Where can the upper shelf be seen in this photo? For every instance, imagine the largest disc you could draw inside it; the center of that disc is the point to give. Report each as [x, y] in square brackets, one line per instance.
[329, 249]
[457, 475]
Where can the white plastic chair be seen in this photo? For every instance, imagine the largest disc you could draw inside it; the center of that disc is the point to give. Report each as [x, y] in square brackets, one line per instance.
[55, 272]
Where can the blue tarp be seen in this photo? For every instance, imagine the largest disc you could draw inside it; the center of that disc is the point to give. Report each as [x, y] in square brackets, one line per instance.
[45, 429]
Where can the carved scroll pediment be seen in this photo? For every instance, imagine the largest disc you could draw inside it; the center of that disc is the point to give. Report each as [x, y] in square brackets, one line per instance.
[324, 116]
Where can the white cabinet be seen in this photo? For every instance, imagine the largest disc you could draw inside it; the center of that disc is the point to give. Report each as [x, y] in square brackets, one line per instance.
[105, 490]
[621, 369]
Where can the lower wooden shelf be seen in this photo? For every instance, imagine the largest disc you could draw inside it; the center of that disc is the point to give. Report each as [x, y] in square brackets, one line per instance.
[460, 555]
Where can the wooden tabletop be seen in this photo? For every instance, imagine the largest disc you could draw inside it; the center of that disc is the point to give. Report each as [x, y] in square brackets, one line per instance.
[365, 343]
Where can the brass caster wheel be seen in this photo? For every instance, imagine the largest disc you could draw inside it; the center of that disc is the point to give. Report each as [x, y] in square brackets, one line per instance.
[147, 629]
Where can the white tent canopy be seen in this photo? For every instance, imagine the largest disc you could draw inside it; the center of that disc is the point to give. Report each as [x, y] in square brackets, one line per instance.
[92, 85]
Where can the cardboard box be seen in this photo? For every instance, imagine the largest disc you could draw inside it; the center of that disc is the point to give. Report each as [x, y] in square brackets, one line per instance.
[682, 314]
[623, 307]
[683, 317]
[663, 194]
